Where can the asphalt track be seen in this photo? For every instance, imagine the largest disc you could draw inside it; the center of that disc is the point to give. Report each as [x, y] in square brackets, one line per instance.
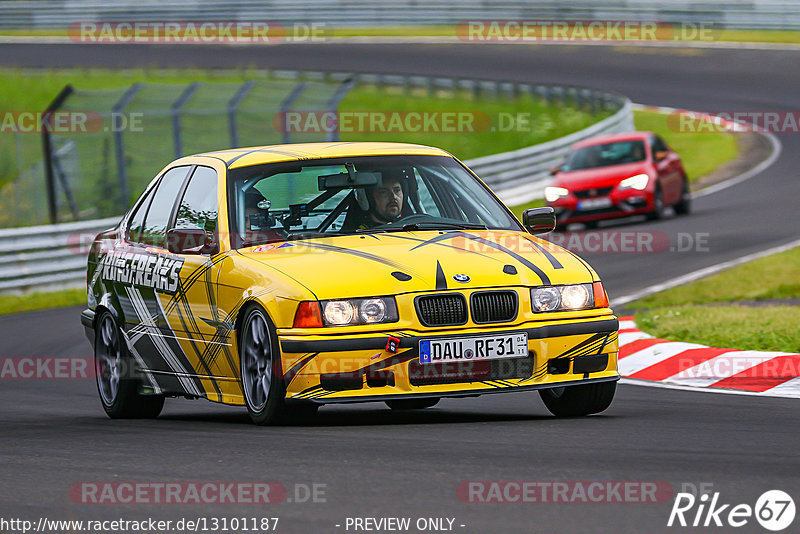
[377, 463]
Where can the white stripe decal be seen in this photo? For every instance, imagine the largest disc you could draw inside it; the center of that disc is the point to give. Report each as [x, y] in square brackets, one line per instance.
[131, 343]
[154, 333]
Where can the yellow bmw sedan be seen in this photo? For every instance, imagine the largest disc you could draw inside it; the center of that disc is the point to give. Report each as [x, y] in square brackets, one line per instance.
[282, 278]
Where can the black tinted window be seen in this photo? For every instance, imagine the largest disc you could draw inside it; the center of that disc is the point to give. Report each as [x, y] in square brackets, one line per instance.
[157, 218]
[658, 145]
[136, 221]
[590, 157]
[198, 208]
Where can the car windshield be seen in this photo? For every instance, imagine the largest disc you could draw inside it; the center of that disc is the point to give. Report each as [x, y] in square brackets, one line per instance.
[330, 197]
[590, 157]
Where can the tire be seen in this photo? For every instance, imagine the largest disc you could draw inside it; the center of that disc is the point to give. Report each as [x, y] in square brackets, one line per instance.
[260, 366]
[658, 205]
[117, 383]
[412, 404]
[577, 401]
[684, 205]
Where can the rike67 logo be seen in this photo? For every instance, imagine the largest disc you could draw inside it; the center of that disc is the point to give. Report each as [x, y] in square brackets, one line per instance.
[774, 510]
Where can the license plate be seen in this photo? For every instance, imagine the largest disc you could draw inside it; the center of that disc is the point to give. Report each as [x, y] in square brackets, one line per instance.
[473, 348]
[594, 203]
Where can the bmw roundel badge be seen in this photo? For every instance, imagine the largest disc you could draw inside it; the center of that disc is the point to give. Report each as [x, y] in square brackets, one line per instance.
[463, 278]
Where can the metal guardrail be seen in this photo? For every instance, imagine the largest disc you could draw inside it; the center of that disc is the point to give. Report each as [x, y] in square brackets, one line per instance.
[521, 175]
[774, 14]
[49, 257]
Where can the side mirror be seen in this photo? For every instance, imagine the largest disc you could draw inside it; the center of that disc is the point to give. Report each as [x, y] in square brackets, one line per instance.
[661, 155]
[539, 220]
[554, 170]
[190, 241]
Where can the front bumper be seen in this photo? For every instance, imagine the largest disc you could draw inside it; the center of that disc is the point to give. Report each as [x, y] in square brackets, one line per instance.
[358, 368]
[87, 320]
[623, 203]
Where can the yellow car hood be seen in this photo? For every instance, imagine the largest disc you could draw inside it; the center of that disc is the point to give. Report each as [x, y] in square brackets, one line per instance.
[406, 262]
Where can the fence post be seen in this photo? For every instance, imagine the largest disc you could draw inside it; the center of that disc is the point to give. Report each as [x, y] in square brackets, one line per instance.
[47, 145]
[119, 147]
[176, 117]
[333, 105]
[232, 105]
[286, 106]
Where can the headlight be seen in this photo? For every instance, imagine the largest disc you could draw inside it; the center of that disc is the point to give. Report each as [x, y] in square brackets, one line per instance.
[359, 311]
[562, 298]
[551, 194]
[635, 182]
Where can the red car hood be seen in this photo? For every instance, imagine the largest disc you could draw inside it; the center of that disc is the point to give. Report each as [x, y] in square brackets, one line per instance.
[599, 176]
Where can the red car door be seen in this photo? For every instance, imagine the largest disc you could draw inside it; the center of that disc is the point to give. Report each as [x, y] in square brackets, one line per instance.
[667, 165]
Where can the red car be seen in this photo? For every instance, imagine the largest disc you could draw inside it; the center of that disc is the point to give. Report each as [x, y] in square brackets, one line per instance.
[618, 176]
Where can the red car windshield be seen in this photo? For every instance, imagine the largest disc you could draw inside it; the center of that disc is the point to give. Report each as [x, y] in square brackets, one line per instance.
[590, 157]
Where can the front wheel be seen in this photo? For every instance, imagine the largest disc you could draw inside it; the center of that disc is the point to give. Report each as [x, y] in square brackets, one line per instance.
[262, 376]
[658, 206]
[684, 205]
[576, 401]
[117, 383]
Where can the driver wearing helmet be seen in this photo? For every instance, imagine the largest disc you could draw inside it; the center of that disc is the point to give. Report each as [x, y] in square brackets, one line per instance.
[386, 202]
[382, 203]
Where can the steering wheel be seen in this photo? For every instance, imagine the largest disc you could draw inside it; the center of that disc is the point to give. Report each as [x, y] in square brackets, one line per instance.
[409, 219]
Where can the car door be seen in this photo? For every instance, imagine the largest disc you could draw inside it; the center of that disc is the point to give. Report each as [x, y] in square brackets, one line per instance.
[191, 311]
[149, 277]
[668, 170]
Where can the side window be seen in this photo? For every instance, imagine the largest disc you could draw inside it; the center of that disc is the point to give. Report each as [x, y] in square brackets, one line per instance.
[136, 221]
[657, 145]
[425, 195]
[157, 218]
[198, 207]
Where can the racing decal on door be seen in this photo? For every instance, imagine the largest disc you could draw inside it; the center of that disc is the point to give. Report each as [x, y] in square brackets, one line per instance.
[158, 272]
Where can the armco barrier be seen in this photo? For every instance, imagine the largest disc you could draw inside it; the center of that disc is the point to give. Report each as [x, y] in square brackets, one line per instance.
[54, 257]
[47, 257]
[775, 14]
[520, 176]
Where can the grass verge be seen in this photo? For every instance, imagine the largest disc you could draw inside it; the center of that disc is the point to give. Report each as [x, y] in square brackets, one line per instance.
[701, 152]
[710, 311]
[493, 124]
[439, 30]
[41, 301]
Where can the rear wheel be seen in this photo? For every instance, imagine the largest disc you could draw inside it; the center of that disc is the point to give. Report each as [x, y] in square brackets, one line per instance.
[684, 205]
[658, 205]
[117, 383]
[575, 401]
[411, 404]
